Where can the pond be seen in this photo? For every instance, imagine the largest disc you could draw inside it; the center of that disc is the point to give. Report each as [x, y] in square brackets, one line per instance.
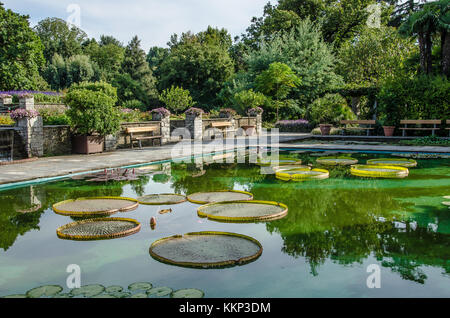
[334, 230]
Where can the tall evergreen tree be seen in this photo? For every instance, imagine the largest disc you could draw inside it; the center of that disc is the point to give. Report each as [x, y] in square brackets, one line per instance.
[135, 64]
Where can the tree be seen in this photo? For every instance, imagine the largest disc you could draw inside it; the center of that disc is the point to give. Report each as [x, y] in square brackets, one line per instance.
[21, 52]
[199, 63]
[433, 18]
[109, 57]
[277, 81]
[305, 52]
[244, 100]
[136, 65]
[58, 37]
[176, 99]
[155, 57]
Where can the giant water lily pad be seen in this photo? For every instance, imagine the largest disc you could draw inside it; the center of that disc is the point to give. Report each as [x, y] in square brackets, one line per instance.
[162, 199]
[97, 229]
[188, 293]
[206, 249]
[113, 289]
[302, 174]
[140, 286]
[408, 163]
[47, 290]
[243, 211]
[88, 290]
[97, 206]
[139, 295]
[337, 161]
[378, 171]
[219, 196]
[159, 291]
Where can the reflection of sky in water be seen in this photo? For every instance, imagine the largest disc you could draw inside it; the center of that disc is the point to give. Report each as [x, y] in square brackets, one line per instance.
[335, 228]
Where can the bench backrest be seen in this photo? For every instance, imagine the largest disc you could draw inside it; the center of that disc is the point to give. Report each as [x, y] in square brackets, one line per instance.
[360, 122]
[420, 122]
[130, 130]
[448, 122]
[221, 124]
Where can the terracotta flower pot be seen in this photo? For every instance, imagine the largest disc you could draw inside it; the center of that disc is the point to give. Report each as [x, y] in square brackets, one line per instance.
[325, 129]
[389, 131]
[87, 144]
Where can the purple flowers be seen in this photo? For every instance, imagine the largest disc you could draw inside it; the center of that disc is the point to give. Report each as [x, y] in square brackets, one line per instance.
[162, 111]
[5, 96]
[18, 93]
[23, 113]
[255, 111]
[194, 111]
[298, 125]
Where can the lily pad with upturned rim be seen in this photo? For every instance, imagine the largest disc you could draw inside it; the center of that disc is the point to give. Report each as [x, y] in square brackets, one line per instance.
[162, 199]
[303, 174]
[219, 196]
[98, 229]
[378, 171]
[206, 250]
[243, 211]
[337, 161]
[407, 163]
[95, 206]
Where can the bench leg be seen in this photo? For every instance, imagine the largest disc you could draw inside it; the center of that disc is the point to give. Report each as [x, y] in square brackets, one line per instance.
[140, 144]
[368, 132]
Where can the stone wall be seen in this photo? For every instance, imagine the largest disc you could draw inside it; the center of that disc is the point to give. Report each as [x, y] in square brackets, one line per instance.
[57, 140]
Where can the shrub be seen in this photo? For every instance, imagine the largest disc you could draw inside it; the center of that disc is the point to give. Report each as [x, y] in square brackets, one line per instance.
[248, 99]
[92, 109]
[6, 121]
[330, 109]
[299, 125]
[54, 115]
[176, 99]
[134, 104]
[128, 115]
[422, 97]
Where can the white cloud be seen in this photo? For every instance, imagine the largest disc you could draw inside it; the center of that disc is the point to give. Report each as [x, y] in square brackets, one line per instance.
[152, 20]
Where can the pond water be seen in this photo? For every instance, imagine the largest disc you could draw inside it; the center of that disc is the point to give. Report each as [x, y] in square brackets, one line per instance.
[334, 230]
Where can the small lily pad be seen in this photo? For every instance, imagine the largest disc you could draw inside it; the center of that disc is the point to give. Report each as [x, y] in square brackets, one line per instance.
[66, 295]
[188, 293]
[104, 296]
[139, 295]
[88, 290]
[140, 286]
[47, 290]
[159, 291]
[121, 294]
[113, 289]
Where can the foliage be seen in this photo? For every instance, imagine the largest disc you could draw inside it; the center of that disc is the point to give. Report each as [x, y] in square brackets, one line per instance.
[426, 141]
[129, 90]
[6, 121]
[108, 56]
[421, 97]
[135, 64]
[330, 109]
[298, 125]
[246, 99]
[155, 57]
[176, 99]
[199, 63]
[374, 55]
[128, 115]
[91, 109]
[40, 98]
[54, 115]
[227, 112]
[134, 104]
[241, 81]
[59, 38]
[255, 111]
[304, 51]
[161, 111]
[21, 54]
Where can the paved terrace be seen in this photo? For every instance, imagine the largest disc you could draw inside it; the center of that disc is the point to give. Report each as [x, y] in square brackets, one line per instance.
[49, 167]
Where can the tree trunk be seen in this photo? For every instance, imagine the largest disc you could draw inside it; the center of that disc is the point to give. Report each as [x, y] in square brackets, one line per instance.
[446, 53]
[356, 101]
[422, 52]
[429, 56]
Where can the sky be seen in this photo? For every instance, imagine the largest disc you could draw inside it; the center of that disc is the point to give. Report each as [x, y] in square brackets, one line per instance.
[153, 21]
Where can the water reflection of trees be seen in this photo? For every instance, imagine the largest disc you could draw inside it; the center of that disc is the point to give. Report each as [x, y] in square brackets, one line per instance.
[344, 226]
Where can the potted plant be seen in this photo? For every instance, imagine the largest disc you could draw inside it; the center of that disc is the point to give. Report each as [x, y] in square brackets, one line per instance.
[227, 113]
[388, 124]
[92, 115]
[193, 111]
[159, 113]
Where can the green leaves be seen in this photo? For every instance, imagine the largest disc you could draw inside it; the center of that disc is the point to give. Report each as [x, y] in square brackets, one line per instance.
[176, 99]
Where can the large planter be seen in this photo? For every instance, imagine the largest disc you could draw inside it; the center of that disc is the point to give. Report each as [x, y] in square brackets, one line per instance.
[87, 144]
[325, 129]
[389, 131]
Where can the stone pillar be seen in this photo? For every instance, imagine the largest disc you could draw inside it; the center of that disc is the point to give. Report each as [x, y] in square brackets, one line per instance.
[31, 129]
[194, 123]
[5, 100]
[165, 126]
[258, 123]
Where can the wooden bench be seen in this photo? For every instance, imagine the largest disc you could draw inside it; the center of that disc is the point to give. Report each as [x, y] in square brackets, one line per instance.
[142, 130]
[223, 125]
[407, 122]
[7, 141]
[360, 124]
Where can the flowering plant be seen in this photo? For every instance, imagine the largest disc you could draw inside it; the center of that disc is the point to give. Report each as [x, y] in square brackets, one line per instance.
[162, 111]
[255, 111]
[5, 96]
[25, 95]
[194, 111]
[228, 112]
[23, 113]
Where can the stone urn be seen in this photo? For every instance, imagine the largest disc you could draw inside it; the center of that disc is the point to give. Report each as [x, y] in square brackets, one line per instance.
[325, 129]
[389, 131]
